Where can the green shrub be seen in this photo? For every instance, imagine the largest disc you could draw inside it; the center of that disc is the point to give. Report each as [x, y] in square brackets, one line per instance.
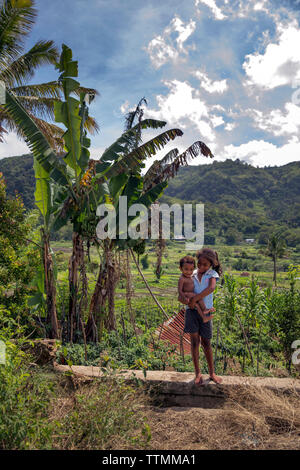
[23, 404]
[105, 415]
[145, 262]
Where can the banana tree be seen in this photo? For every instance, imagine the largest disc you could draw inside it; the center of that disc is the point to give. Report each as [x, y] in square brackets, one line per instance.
[92, 183]
[163, 170]
[41, 150]
[73, 113]
[124, 179]
[61, 172]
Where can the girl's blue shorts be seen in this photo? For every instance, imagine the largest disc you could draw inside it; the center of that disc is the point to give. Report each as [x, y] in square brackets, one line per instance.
[193, 323]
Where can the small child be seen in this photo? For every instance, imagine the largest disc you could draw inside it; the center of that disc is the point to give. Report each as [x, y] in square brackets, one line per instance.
[186, 287]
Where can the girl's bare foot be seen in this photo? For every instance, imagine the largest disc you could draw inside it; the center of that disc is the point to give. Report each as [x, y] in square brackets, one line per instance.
[215, 378]
[199, 379]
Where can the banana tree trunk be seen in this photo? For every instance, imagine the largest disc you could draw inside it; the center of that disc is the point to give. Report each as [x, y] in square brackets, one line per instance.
[129, 288]
[75, 262]
[50, 286]
[96, 311]
[112, 279]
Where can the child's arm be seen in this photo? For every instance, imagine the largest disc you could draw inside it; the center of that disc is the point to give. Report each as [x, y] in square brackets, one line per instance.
[181, 295]
[211, 287]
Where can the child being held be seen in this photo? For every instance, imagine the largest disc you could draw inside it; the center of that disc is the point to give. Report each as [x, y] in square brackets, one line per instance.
[186, 287]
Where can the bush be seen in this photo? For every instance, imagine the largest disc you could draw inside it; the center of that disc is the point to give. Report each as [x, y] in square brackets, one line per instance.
[241, 265]
[105, 415]
[145, 262]
[23, 404]
[284, 306]
[32, 417]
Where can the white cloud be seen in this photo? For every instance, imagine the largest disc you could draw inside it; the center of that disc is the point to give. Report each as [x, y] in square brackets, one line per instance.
[13, 146]
[163, 48]
[280, 64]
[124, 108]
[184, 32]
[182, 107]
[259, 6]
[262, 153]
[218, 86]
[214, 8]
[230, 126]
[217, 121]
[278, 122]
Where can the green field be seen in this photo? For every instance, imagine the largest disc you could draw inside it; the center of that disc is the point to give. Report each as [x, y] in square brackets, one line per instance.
[125, 350]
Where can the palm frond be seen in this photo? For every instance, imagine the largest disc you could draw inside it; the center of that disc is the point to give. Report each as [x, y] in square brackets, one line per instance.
[132, 115]
[154, 145]
[44, 105]
[33, 136]
[149, 124]
[24, 67]
[168, 167]
[15, 25]
[40, 107]
[154, 172]
[43, 90]
[52, 132]
[2, 132]
[91, 125]
[114, 161]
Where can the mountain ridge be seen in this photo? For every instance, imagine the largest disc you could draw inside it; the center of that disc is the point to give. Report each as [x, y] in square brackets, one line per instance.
[241, 199]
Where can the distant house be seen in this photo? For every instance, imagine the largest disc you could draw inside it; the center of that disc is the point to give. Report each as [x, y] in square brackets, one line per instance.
[179, 237]
[249, 240]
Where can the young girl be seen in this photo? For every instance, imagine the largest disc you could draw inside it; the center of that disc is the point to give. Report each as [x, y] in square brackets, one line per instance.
[205, 277]
[186, 287]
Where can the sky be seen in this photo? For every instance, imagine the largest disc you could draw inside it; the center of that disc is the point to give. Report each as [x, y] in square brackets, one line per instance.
[226, 72]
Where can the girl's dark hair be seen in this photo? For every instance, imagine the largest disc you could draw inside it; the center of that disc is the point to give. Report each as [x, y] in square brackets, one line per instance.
[187, 259]
[212, 257]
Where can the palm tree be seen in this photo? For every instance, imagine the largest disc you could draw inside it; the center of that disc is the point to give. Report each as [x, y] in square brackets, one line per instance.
[275, 249]
[17, 67]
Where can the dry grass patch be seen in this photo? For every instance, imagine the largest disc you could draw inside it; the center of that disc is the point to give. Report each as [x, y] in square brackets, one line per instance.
[252, 418]
[92, 414]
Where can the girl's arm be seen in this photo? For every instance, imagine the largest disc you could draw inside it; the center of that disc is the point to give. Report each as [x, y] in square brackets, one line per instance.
[211, 287]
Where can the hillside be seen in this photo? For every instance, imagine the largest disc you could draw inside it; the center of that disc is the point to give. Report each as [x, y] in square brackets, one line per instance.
[241, 201]
[19, 176]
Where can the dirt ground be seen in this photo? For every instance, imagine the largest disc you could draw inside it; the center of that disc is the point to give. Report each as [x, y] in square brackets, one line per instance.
[251, 419]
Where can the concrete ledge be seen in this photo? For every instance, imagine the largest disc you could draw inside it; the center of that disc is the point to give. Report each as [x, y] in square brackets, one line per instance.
[178, 388]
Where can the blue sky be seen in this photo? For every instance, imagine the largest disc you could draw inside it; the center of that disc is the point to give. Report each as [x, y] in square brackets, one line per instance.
[226, 72]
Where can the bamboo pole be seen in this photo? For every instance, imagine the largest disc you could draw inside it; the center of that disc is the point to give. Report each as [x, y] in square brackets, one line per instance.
[147, 285]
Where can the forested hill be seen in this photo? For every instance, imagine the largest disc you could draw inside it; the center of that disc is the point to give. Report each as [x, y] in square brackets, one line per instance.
[19, 176]
[241, 201]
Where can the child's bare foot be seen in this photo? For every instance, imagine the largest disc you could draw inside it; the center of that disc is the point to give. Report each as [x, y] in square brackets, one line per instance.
[199, 379]
[207, 318]
[215, 378]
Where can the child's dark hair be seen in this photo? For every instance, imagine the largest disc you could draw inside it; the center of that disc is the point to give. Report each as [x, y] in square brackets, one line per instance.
[212, 257]
[187, 259]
